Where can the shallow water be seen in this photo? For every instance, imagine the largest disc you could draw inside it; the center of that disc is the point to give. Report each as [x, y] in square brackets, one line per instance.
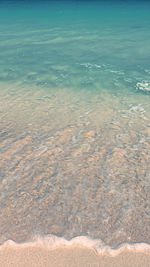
[75, 120]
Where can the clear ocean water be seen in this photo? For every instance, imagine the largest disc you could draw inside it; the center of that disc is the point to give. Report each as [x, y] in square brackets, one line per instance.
[75, 120]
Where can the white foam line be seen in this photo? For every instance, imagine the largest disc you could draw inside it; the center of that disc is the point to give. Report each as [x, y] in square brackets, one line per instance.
[52, 242]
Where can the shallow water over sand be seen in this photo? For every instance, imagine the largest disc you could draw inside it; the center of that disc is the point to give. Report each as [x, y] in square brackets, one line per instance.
[75, 127]
[74, 165]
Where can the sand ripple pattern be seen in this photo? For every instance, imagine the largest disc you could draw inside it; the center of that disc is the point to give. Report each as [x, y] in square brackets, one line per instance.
[68, 170]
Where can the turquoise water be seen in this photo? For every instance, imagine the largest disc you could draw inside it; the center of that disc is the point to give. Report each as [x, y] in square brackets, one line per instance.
[75, 120]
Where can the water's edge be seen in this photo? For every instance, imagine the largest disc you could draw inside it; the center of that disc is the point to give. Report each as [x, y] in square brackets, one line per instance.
[53, 242]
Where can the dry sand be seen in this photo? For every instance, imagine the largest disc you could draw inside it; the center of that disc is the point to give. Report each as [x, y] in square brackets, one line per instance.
[70, 256]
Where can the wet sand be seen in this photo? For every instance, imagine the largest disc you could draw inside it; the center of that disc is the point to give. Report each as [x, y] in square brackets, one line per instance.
[71, 256]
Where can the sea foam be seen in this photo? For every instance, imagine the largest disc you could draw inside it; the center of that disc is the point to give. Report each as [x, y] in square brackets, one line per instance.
[143, 86]
[52, 242]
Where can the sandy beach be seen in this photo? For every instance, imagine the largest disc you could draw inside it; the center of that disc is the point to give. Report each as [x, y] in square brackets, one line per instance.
[74, 133]
[70, 256]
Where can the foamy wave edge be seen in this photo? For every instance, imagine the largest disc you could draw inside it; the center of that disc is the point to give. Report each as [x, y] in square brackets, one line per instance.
[53, 242]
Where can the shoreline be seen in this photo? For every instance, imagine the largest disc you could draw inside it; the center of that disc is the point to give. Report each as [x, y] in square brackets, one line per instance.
[52, 251]
[97, 245]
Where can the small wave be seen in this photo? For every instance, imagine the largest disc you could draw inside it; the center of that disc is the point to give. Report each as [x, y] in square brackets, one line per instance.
[143, 86]
[52, 242]
[116, 71]
[89, 65]
[147, 71]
